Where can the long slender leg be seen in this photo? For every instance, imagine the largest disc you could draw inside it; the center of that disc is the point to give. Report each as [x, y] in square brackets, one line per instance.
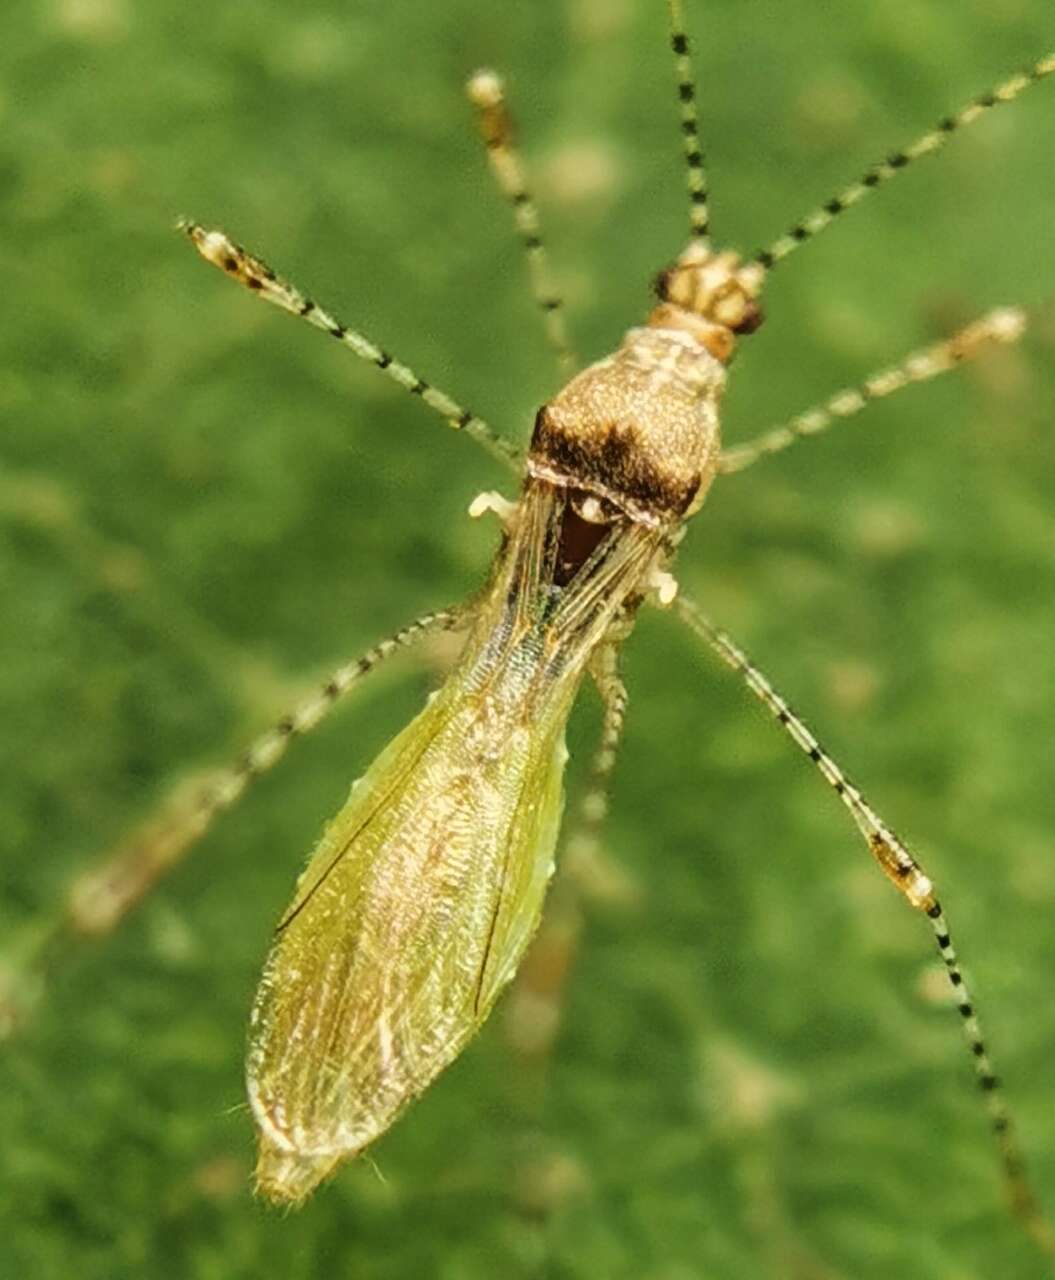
[1005, 324]
[257, 276]
[912, 882]
[533, 1008]
[486, 92]
[695, 173]
[100, 898]
[824, 215]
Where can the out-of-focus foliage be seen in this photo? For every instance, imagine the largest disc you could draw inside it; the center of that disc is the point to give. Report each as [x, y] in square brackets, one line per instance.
[203, 506]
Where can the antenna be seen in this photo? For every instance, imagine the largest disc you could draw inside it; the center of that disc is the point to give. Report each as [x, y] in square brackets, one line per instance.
[696, 174]
[824, 215]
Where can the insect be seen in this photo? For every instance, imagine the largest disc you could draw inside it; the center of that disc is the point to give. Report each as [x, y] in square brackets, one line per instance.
[618, 461]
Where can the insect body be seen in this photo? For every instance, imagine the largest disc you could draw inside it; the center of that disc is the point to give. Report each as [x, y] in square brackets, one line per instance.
[424, 891]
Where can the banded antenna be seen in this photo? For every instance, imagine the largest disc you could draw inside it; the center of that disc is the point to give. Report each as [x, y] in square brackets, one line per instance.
[932, 141]
[696, 174]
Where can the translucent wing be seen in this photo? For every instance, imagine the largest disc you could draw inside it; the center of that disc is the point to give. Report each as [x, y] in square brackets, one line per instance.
[413, 911]
[423, 893]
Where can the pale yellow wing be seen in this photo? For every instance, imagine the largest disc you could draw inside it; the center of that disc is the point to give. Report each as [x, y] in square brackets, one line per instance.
[413, 912]
[423, 893]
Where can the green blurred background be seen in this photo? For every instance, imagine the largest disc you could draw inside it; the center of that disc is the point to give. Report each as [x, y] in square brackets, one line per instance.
[204, 506]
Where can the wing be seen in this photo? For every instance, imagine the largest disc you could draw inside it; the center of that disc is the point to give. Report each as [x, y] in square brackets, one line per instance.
[423, 893]
[412, 913]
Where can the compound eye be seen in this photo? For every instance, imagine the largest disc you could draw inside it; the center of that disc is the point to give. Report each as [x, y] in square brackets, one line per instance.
[752, 319]
[661, 284]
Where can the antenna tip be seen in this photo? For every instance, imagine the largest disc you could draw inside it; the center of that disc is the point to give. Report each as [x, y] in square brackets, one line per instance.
[1007, 324]
[485, 89]
[213, 246]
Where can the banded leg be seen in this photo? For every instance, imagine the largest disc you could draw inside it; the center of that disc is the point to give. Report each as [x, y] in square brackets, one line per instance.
[824, 215]
[904, 871]
[99, 899]
[533, 1007]
[257, 276]
[1004, 325]
[695, 173]
[486, 92]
